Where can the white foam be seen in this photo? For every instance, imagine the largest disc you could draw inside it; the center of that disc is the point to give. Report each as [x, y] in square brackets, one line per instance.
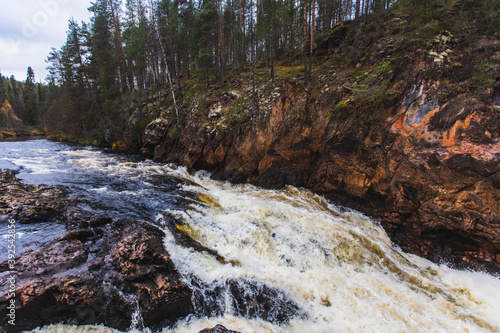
[338, 267]
[100, 189]
[75, 329]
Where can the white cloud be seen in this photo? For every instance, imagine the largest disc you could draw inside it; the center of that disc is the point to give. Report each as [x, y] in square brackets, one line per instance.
[29, 28]
[9, 47]
[33, 54]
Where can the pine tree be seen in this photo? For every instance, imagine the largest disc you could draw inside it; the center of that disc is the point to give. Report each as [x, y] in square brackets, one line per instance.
[54, 68]
[3, 93]
[136, 36]
[115, 7]
[205, 34]
[75, 87]
[30, 115]
[103, 55]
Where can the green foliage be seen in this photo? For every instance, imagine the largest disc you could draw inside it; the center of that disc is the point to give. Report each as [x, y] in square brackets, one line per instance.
[190, 98]
[339, 108]
[290, 73]
[240, 111]
[173, 132]
[368, 105]
[205, 33]
[94, 136]
[3, 90]
[103, 55]
[139, 128]
[484, 78]
[382, 68]
[30, 96]
[429, 30]
[136, 48]
[203, 106]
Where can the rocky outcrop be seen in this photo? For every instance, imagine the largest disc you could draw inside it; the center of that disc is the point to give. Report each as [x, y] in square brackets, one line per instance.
[107, 271]
[421, 155]
[30, 203]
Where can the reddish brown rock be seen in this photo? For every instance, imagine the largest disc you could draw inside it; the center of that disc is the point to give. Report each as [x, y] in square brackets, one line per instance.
[425, 163]
[98, 280]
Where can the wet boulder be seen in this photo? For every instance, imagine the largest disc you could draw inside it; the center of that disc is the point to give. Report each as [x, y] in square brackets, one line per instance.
[111, 271]
[217, 329]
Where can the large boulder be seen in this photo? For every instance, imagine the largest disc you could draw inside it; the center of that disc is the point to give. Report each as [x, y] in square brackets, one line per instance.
[111, 271]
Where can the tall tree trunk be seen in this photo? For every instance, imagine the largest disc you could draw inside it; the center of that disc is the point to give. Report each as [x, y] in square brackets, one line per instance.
[123, 62]
[168, 76]
[221, 42]
[312, 39]
[272, 39]
[242, 40]
[305, 44]
[252, 31]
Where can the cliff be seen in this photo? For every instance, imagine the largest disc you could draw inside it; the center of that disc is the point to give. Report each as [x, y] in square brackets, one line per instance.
[399, 122]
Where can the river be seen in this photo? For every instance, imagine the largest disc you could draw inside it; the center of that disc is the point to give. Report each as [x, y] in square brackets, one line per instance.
[334, 269]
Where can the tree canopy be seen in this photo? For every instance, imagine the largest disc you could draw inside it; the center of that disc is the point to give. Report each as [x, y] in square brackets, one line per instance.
[137, 45]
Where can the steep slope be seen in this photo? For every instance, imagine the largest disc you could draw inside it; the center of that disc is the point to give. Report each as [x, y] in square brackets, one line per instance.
[401, 122]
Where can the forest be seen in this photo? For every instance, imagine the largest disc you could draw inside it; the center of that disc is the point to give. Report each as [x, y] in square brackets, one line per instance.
[130, 49]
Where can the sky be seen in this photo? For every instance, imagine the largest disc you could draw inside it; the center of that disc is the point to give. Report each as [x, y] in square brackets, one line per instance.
[28, 30]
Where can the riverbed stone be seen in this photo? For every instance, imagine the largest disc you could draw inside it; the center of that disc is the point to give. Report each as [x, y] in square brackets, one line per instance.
[97, 273]
[217, 329]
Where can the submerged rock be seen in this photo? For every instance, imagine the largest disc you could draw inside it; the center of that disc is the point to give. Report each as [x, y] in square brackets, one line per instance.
[217, 329]
[254, 300]
[249, 299]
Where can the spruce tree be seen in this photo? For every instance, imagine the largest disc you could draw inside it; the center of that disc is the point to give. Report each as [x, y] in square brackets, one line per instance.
[30, 97]
[104, 59]
[3, 93]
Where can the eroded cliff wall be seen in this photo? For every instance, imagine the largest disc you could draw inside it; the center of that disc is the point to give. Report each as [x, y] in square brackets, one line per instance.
[410, 138]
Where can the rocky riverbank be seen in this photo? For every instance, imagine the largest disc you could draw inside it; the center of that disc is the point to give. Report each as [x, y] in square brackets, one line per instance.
[19, 134]
[111, 271]
[429, 173]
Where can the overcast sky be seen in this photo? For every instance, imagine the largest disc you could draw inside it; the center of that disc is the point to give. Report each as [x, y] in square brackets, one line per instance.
[29, 28]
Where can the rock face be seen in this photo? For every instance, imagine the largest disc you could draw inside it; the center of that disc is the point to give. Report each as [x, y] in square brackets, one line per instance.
[423, 159]
[30, 203]
[101, 272]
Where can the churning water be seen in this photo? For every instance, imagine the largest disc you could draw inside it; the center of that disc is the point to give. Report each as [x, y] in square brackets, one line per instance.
[282, 260]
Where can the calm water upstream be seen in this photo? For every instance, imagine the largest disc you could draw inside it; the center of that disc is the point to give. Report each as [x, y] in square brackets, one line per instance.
[337, 266]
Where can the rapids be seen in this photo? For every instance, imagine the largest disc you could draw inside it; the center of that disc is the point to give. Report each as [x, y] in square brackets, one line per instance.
[330, 269]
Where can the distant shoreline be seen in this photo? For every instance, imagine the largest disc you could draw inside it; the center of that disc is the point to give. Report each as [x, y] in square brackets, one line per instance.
[21, 134]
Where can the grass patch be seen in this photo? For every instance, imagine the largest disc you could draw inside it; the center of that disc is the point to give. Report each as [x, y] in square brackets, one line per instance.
[484, 78]
[239, 112]
[290, 73]
[369, 105]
